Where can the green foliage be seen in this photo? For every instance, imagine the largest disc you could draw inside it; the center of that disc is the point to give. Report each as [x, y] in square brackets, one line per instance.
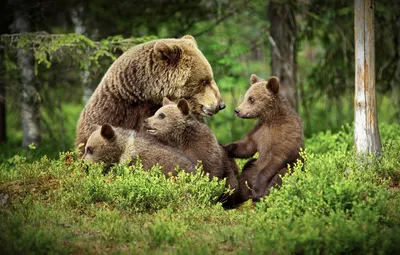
[136, 190]
[127, 188]
[325, 142]
[333, 203]
[26, 230]
[50, 47]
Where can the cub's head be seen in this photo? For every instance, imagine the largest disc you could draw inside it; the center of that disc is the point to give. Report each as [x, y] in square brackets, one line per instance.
[168, 123]
[192, 74]
[260, 99]
[102, 146]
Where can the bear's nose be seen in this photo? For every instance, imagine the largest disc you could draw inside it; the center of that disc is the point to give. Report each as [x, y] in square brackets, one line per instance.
[222, 106]
[237, 111]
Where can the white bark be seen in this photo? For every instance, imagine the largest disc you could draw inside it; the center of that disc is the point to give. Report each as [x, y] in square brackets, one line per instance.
[30, 98]
[87, 88]
[366, 132]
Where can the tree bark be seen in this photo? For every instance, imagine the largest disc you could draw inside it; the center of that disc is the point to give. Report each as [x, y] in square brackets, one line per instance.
[282, 39]
[30, 98]
[3, 133]
[366, 132]
[87, 86]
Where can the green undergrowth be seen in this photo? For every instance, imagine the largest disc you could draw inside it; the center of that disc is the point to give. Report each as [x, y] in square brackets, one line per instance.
[336, 202]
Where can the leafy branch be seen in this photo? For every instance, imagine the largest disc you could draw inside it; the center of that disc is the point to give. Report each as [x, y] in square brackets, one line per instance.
[50, 47]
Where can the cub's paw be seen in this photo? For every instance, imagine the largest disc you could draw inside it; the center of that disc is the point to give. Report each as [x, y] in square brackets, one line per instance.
[259, 191]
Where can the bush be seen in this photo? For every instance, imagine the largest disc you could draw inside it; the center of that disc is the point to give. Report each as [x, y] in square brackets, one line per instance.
[333, 203]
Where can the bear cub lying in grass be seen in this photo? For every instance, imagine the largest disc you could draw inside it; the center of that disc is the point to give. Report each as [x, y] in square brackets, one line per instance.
[174, 125]
[277, 137]
[116, 145]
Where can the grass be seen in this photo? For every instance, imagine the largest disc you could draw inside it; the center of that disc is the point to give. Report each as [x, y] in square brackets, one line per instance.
[334, 203]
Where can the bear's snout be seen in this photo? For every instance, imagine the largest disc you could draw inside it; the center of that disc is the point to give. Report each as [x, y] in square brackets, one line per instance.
[237, 111]
[146, 124]
[222, 106]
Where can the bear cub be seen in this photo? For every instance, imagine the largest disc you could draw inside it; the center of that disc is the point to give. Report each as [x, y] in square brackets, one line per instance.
[173, 124]
[277, 137]
[116, 145]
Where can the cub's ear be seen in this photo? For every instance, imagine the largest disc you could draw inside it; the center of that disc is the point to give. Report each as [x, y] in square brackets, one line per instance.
[170, 53]
[166, 101]
[183, 105]
[107, 131]
[273, 84]
[254, 79]
[191, 38]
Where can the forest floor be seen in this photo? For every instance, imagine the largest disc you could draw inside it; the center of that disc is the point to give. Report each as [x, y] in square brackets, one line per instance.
[333, 203]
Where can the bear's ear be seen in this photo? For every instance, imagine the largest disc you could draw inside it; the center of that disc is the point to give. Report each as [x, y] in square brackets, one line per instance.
[107, 131]
[166, 101]
[171, 53]
[183, 105]
[191, 38]
[273, 84]
[254, 79]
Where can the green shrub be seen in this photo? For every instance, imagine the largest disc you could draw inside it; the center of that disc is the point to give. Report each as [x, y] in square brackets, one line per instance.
[132, 189]
[333, 203]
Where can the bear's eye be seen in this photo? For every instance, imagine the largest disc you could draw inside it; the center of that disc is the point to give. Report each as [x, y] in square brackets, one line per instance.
[206, 83]
[161, 116]
[89, 150]
[251, 99]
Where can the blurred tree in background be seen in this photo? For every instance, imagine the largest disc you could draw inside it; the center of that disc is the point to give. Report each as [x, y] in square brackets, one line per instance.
[235, 36]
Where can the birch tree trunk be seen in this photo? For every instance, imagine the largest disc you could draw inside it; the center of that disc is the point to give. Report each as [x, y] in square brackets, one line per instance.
[366, 132]
[77, 20]
[282, 39]
[3, 133]
[30, 98]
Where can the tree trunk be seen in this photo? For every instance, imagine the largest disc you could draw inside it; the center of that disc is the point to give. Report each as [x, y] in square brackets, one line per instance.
[3, 133]
[77, 20]
[30, 98]
[366, 132]
[283, 47]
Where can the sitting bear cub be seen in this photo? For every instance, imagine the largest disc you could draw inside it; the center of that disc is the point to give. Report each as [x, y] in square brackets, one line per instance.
[116, 145]
[173, 124]
[277, 137]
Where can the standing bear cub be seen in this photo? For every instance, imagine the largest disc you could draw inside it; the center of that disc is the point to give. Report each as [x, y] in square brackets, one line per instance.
[173, 124]
[277, 137]
[116, 145]
[136, 83]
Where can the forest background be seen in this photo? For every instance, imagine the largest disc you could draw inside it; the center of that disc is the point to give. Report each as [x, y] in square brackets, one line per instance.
[53, 53]
[308, 44]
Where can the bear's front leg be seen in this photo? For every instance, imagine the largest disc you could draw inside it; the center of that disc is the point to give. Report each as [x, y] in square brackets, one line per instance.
[245, 148]
[264, 182]
[260, 189]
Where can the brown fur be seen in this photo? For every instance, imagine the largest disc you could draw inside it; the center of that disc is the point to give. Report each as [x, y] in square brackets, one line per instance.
[174, 125]
[133, 87]
[277, 137]
[112, 145]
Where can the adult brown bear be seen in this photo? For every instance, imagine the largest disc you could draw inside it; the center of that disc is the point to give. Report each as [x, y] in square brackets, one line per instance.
[136, 83]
